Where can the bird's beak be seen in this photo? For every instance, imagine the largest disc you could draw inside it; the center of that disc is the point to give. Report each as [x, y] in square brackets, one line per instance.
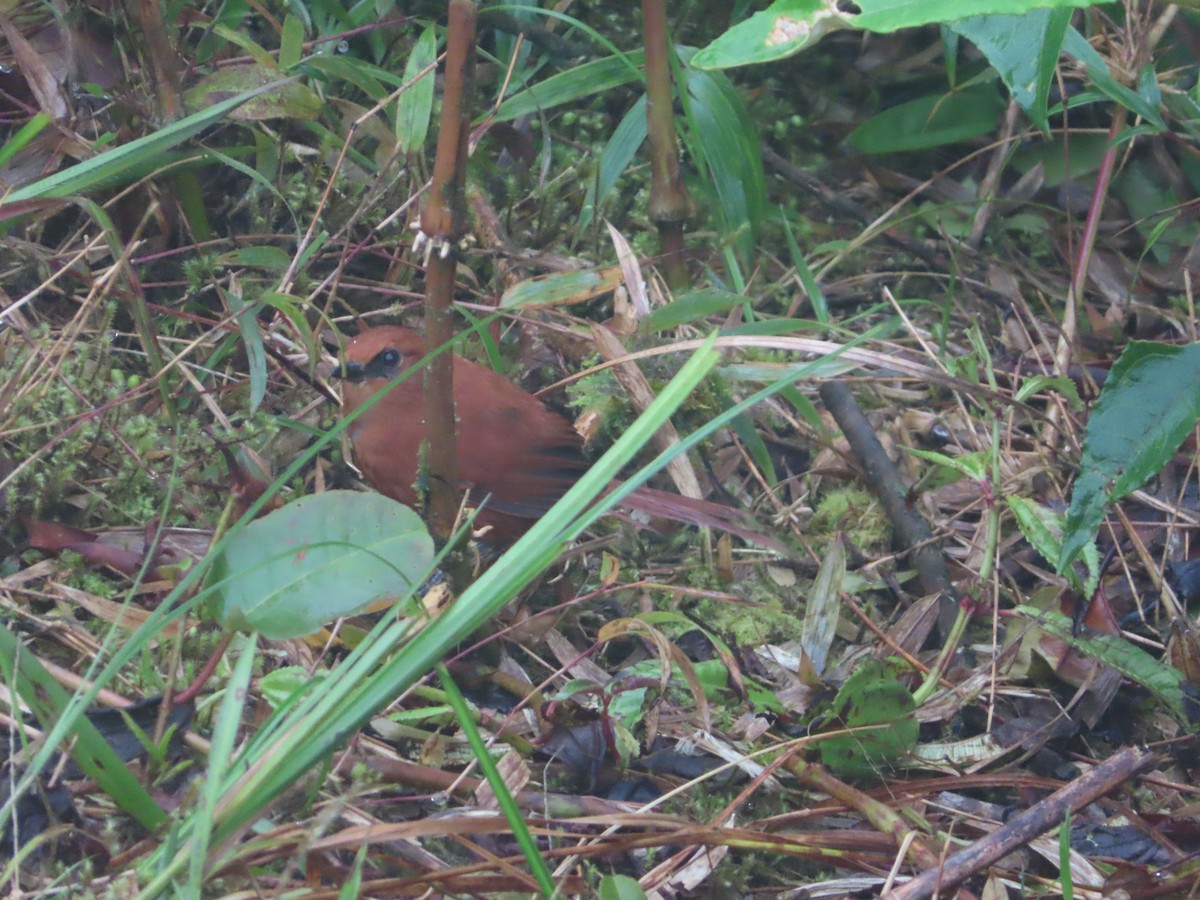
[349, 371]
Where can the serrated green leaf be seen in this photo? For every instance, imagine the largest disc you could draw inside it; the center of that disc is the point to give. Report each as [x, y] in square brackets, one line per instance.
[1031, 387]
[1043, 528]
[969, 465]
[1149, 404]
[1160, 679]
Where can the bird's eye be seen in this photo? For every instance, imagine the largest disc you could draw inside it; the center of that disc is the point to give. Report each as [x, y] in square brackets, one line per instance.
[390, 357]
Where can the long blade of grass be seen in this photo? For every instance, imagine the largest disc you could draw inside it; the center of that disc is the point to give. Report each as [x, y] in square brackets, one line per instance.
[24, 135]
[504, 797]
[110, 165]
[224, 738]
[24, 674]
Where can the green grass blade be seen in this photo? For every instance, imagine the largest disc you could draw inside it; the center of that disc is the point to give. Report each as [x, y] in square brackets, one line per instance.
[49, 701]
[224, 738]
[108, 167]
[508, 804]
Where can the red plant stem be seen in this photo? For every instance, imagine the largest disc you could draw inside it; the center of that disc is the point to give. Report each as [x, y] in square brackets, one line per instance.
[443, 218]
[670, 204]
[1099, 195]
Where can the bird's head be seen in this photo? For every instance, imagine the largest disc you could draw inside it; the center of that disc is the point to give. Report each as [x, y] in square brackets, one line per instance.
[372, 359]
[377, 355]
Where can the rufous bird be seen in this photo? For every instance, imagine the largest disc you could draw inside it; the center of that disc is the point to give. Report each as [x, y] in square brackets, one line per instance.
[512, 449]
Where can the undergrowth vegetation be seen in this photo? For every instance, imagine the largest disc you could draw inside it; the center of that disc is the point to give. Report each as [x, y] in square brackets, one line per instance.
[902, 300]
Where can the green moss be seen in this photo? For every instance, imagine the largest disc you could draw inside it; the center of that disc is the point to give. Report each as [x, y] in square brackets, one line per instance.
[94, 441]
[748, 626]
[854, 511]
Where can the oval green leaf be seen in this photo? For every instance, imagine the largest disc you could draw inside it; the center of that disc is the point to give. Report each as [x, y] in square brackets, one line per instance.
[930, 121]
[329, 555]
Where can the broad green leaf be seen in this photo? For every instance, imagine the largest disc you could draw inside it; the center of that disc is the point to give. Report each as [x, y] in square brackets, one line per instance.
[690, 306]
[1024, 50]
[561, 288]
[784, 29]
[620, 887]
[882, 712]
[723, 134]
[321, 557]
[788, 26]
[1149, 404]
[414, 108]
[930, 121]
